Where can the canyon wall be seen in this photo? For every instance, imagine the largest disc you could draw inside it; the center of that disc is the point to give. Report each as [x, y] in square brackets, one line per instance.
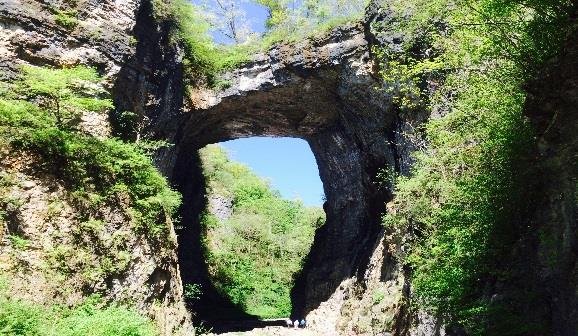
[67, 258]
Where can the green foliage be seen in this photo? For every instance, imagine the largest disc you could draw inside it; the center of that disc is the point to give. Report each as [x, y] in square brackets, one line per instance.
[66, 18]
[467, 190]
[377, 297]
[254, 254]
[20, 318]
[290, 23]
[192, 291]
[66, 93]
[278, 11]
[18, 242]
[97, 170]
[205, 59]
[94, 318]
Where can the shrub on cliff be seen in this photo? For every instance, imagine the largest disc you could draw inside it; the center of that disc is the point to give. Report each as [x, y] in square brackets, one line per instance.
[65, 93]
[20, 318]
[97, 170]
[113, 193]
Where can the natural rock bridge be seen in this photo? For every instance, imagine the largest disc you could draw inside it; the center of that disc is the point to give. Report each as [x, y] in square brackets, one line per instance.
[322, 90]
[326, 91]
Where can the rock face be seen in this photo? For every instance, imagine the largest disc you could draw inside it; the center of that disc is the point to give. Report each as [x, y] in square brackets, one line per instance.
[101, 35]
[115, 37]
[551, 107]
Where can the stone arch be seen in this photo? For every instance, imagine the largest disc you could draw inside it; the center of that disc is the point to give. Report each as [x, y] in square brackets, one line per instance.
[322, 90]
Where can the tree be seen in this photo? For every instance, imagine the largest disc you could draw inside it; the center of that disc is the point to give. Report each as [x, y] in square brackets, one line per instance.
[278, 11]
[66, 93]
[228, 18]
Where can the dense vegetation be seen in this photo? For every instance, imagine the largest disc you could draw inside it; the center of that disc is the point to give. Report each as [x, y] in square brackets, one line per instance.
[469, 187]
[18, 318]
[41, 115]
[254, 254]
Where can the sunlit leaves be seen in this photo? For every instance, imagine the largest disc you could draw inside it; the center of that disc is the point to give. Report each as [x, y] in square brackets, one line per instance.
[66, 93]
[93, 169]
[466, 190]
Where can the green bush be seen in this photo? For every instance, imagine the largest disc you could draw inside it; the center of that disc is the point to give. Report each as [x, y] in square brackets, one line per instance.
[65, 93]
[254, 255]
[96, 169]
[66, 19]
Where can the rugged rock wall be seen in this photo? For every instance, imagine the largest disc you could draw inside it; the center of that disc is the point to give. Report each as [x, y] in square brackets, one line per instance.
[125, 43]
[551, 107]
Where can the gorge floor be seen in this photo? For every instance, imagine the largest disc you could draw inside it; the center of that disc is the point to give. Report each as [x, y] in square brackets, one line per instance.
[272, 331]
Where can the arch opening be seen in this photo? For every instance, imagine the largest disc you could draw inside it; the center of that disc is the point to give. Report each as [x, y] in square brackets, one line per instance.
[350, 136]
[321, 91]
[254, 237]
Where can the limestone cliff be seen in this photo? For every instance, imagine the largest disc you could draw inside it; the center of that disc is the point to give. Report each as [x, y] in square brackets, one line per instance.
[66, 258]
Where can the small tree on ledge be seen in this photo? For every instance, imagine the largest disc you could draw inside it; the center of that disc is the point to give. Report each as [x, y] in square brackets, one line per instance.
[66, 93]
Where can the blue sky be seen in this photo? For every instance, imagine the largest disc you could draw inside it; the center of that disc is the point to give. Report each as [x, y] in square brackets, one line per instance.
[287, 162]
[255, 14]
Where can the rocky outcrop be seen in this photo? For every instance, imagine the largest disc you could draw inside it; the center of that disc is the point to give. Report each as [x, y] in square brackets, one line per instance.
[116, 38]
[51, 253]
[99, 34]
